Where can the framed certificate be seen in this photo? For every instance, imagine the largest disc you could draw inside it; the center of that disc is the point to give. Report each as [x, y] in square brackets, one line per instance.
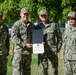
[37, 40]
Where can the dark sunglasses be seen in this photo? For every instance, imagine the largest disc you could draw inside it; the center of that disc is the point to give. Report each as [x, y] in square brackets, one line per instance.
[26, 14]
[0, 15]
[43, 15]
[71, 18]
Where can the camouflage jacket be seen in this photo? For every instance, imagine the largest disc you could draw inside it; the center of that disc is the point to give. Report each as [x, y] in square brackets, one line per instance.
[21, 34]
[69, 43]
[52, 36]
[4, 39]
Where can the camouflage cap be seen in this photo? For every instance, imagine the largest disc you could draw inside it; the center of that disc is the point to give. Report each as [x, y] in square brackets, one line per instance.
[1, 13]
[72, 14]
[24, 10]
[43, 12]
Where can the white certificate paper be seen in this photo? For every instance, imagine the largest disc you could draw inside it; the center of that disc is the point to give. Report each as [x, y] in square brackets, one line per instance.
[38, 48]
[37, 38]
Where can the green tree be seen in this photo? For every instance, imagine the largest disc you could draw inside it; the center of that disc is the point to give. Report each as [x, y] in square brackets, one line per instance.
[9, 8]
[57, 9]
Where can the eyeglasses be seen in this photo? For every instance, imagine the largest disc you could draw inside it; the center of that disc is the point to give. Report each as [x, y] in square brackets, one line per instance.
[43, 15]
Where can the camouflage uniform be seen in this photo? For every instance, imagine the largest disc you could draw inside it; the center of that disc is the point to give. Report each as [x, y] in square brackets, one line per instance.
[69, 51]
[21, 35]
[52, 42]
[4, 48]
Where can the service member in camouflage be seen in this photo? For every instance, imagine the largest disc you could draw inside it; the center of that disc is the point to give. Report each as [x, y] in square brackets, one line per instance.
[4, 46]
[69, 46]
[21, 35]
[52, 44]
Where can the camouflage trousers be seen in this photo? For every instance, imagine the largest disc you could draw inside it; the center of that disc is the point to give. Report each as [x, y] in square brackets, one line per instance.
[70, 67]
[21, 64]
[43, 63]
[3, 65]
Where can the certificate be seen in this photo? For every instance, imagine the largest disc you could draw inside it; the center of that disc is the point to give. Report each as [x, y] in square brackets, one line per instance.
[37, 40]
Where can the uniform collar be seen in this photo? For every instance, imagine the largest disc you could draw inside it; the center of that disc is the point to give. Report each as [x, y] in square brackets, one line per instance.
[25, 24]
[72, 28]
[46, 25]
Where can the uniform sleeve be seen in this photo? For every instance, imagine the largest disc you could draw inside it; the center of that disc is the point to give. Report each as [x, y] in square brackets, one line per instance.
[7, 41]
[15, 36]
[63, 48]
[59, 37]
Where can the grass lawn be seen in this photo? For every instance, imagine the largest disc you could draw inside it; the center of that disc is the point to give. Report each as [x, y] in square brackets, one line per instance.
[34, 67]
